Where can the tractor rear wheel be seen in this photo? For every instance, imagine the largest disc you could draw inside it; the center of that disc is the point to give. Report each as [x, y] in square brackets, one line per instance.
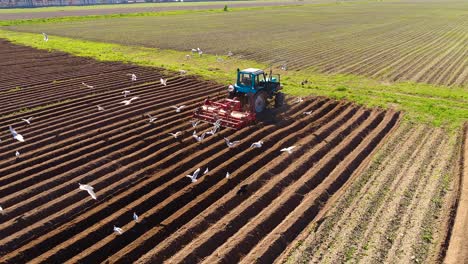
[279, 100]
[260, 101]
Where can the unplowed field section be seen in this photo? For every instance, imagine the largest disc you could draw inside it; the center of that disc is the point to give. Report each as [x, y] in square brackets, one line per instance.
[399, 210]
[388, 40]
[136, 166]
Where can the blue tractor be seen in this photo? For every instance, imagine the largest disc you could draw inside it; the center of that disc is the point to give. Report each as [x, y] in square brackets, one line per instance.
[247, 97]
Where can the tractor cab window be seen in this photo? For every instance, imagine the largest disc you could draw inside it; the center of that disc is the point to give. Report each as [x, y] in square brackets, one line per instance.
[245, 79]
[260, 80]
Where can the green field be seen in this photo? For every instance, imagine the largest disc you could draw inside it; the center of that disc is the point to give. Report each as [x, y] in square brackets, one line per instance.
[400, 41]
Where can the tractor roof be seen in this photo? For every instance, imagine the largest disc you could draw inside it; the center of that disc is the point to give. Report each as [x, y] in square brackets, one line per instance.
[252, 70]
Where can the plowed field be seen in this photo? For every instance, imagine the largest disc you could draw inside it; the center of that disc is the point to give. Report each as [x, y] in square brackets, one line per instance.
[135, 166]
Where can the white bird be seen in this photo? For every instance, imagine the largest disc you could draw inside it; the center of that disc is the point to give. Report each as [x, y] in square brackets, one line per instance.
[308, 113]
[17, 154]
[125, 93]
[176, 134]
[284, 67]
[188, 57]
[228, 175]
[135, 217]
[118, 230]
[133, 76]
[217, 124]
[299, 100]
[206, 171]
[182, 71]
[257, 144]
[127, 102]
[87, 86]
[151, 118]
[200, 53]
[193, 177]
[219, 59]
[194, 50]
[198, 138]
[178, 108]
[46, 38]
[16, 136]
[230, 54]
[231, 144]
[89, 189]
[195, 123]
[100, 108]
[1, 209]
[288, 149]
[163, 81]
[212, 131]
[28, 120]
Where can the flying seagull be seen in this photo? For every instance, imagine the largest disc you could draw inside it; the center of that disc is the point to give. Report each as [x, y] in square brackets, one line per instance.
[125, 93]
[100, 108]
[46, 38]
[193, 177]
[206, 171]
[163, 81]
[127, 102]
[118, 230]
[133, 76]
[16, 136]
[176, 134]
[194, 50]
[231, 144]
[257, 144]
[89, 189]
[288, 149]
[135, 217]
[27, 120]
[87, 86]
[198, 138]
[151, 118]
[299, 100]
[178, 108]
[195, 123]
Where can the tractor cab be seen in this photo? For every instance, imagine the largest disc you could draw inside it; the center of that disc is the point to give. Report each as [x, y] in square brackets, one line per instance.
[247, 97]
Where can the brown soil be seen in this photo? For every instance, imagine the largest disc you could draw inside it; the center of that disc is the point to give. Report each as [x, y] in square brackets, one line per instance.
[458, 248]
[137, 167]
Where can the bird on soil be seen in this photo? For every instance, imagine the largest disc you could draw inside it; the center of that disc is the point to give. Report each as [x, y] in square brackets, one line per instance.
[1, 209]
[135, 217]
[163, 81]
[176, 134]
[178, 108]
[308, 113]
[194, 50]
[118, 230]
[193, 177]
[151, 118]
[284, 67]
[16, 136]
[89, 189]
[46, 38]
[198, 138]
[133, 76]
[182, 71]
[231, 144]
[230, 54]
[127, 102]
[100, 108]
[188, 57]
[125, 93]
[299, 100]
[228, 175]
[257, 144]
[17, 154]
[27, 120]
[206, 171]
[87, 86]
[288, 149]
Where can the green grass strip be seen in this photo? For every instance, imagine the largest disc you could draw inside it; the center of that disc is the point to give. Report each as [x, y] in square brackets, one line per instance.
[430, 104]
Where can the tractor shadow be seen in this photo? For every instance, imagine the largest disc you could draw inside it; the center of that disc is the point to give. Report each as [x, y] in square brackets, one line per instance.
[272, 115]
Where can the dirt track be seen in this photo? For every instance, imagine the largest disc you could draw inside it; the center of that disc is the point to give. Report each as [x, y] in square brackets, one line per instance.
[137, 167]
[458, 247]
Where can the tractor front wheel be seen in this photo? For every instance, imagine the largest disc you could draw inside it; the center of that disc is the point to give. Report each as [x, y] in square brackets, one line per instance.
[279, 100]
[260, 101]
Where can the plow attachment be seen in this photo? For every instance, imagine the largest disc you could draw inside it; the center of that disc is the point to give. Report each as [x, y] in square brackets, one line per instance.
[227, 111]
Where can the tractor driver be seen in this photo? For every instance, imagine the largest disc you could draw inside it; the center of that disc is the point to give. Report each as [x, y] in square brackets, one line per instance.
[246, 80]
